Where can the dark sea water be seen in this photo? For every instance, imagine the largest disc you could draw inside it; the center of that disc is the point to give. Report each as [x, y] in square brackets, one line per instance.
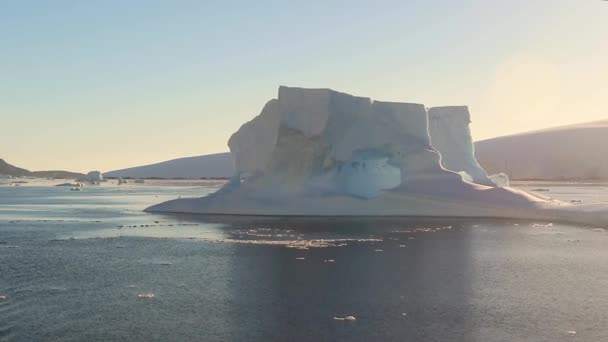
[73, 265]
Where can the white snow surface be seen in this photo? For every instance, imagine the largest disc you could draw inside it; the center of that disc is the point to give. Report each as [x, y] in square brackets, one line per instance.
[218, 165]
[341, 155]
[567, 152]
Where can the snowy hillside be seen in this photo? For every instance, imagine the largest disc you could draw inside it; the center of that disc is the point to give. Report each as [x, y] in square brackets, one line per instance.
[569, 152]
[217, 165]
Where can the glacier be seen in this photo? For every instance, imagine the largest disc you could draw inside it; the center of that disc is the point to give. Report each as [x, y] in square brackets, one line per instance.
[319, 152]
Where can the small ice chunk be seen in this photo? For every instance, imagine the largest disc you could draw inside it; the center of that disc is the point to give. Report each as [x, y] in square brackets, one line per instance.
[549, 225]
[401, 246]
[2, 297]
[403, 314]
[466, 177]
[300, 258]
[146, 295]
[350, 318]
[329, 260]
[571, 332]
[338, 318]
[378, 250]
[500, 179]
[599, 230]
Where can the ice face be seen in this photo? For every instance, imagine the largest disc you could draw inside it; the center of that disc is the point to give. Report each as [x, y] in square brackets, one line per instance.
[253, 143]
[307, 133]
[451, 136]
[367, 176]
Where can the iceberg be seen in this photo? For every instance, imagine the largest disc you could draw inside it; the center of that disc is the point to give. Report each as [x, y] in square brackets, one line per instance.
[94, 176]
[319, 152]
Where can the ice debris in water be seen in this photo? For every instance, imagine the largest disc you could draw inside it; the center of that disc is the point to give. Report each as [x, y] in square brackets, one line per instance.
[403, 314]
[571, 332]
[2, 297]
[401, 246]
[599, 230]
[378, 250]
[329, 260]
[350, 318]
[146, 295]
[338, 318]
[300, 258]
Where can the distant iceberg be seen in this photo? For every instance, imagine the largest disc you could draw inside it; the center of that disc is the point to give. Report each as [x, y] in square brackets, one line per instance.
[94, 176]
[322, 152]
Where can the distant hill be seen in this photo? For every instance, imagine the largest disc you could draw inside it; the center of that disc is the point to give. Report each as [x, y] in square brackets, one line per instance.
[217, 165]
[574, 152]
[10, 170]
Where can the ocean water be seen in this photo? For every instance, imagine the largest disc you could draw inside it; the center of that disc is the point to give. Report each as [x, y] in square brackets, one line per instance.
[92, 266]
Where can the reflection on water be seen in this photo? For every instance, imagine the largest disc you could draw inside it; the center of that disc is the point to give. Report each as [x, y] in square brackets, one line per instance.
[93, 266]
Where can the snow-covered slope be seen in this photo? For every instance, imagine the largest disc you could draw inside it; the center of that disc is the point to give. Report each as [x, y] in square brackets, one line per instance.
[337, 154]
[568, 152]
[218, 165]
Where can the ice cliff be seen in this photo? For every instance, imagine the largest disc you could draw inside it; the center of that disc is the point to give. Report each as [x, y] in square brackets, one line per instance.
[451, 136]
[322, 152]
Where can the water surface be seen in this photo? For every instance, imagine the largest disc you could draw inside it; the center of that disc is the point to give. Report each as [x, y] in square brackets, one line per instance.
[73, 264]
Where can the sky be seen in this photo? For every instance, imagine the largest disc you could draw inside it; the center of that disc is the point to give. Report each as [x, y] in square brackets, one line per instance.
[102, 85]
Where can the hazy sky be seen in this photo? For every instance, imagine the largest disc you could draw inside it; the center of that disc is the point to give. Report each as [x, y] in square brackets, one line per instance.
[109, 84]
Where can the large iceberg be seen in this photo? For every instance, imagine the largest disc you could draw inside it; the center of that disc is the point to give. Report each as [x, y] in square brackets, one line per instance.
[322, 152]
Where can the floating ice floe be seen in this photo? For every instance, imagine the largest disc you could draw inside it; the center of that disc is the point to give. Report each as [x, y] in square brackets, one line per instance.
[146, 295]
[2, 297]
[300, 258]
